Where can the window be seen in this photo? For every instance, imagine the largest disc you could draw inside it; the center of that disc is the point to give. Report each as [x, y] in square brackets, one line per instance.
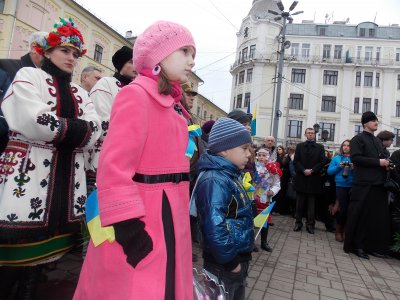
[358, 129]
[198, 107]
[2, 6]
[239, 101]
[211, 116]
[249, 75]
[98, 53]
[330, 127]
[362, 31]
[326, 53]
[246, 100]
[244, 54]
[296, 101]
[294, 49]
[358, 78]
[377, 77]
[398, 81]
[368, 54]
[359, 49]
[397, 54]
[356, 105]
[371, 32]
[337, 54]
[328, 103]
[246, 32]
[322, 31]
[368, 78]
[240, 57]
[376, 106]
[241, 77]
[397, 137]
[305, 50]
[295, 129]
[252, 51]
[398, 109]
[299, 75]
[366, 105]
[378, 54]
[205, 115]
[330, 77]
[236, 79]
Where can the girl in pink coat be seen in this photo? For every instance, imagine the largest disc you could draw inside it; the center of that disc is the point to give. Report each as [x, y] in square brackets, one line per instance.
[143, 179]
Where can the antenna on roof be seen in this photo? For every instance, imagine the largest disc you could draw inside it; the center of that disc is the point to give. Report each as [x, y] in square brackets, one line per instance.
[376, 13]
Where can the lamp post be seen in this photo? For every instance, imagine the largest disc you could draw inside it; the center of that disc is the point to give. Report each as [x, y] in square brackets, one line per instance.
[286, 16]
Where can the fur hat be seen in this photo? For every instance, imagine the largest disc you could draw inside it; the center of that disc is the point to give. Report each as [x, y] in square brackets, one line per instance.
[121, 57]
[64, 34]
[227, 134]
[367, 117]
[157, 42]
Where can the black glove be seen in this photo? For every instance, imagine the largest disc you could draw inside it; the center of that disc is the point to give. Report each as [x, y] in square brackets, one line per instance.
[135, 241]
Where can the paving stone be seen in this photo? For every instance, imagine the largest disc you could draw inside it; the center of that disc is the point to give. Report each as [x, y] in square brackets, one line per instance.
[337, 294]
[318, 281]
[272, 291]
[306, 287]
[302, 295]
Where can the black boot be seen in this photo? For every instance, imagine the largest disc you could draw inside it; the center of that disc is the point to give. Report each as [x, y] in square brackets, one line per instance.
[28, 283]
[9, 277]
[264, 243]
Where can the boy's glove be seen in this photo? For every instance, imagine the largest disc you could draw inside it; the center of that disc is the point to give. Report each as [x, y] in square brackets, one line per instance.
[135, 241]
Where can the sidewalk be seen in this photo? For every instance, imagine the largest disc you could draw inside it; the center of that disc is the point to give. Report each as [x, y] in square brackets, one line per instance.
[301, 266]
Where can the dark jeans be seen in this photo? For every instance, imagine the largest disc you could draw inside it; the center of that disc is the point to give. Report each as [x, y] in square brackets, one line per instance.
[343, 196]
[309, 200]
[234, 283]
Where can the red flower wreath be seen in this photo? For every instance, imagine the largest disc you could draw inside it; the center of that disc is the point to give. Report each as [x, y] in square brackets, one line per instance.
[274, 168]
[53, 39]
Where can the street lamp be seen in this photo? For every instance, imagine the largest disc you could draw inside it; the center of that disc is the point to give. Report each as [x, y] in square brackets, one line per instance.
[316, 128]
[286, 16]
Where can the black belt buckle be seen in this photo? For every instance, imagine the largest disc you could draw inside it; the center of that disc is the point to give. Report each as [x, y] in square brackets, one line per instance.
[161, 178]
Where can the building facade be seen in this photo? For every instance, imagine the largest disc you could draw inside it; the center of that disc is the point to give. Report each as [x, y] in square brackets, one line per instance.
[19, 19]
[332, 73]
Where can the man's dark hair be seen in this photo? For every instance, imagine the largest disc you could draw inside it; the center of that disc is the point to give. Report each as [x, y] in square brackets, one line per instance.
[385, 135]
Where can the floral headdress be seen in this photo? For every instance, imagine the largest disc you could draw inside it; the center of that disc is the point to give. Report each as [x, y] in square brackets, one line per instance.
[64, 34]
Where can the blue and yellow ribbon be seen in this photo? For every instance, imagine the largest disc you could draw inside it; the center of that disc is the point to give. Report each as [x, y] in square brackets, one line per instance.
[97, 233]
[194, 130]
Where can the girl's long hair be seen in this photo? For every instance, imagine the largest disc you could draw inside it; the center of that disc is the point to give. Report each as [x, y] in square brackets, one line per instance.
[341, 146]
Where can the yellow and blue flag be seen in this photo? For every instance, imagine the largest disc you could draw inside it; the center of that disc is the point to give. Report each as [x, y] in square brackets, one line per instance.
[194, 130]
[97, 233]
[262, 217]
[246, 182]
[253, 123]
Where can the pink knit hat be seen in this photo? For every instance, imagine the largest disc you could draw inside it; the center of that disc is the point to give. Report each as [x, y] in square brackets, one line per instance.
[157, 42]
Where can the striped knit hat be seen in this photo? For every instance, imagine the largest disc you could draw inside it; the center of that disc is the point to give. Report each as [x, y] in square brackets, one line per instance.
[226, 134]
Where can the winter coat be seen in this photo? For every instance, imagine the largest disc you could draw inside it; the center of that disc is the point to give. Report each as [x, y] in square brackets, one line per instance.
[12, 66]
[146, 136]
[365, 152]
[334, 169]
[224, 211]
[103, 94]
[42, 171]
[309, 155]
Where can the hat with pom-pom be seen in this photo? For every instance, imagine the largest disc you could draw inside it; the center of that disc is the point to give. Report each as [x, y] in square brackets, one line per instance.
[157, 42]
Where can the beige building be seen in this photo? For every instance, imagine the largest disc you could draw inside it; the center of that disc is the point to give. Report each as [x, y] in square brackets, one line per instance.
[18, 19]
[203, 109]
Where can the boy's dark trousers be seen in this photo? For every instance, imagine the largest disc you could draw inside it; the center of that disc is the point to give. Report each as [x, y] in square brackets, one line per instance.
[234, 283]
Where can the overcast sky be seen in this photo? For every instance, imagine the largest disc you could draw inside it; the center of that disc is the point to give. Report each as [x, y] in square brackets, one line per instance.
[214, 24]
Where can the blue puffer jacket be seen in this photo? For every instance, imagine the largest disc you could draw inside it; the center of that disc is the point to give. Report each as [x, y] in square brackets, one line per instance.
[225, 212]
[335, 169]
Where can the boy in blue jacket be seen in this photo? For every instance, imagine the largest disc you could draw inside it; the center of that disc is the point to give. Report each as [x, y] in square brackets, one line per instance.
[223, 207]
[342, 168]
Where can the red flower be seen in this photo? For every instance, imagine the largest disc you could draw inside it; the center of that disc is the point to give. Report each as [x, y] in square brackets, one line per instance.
[83, 52]
[274, 168]
[75, 31]
[53, 39]
[64, 30]
[38, 49]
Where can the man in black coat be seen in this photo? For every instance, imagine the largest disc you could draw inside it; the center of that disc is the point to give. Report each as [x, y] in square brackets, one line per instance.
[368, 222]
[31, 59]
[309, 160]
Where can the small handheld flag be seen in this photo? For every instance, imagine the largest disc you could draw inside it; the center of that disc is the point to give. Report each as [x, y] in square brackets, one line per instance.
[194, 130]
[261, 219]
[97, 233]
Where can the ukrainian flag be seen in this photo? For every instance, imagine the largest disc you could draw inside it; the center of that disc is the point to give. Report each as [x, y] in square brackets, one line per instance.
[261, 219]
[98, 234]
[253, 123]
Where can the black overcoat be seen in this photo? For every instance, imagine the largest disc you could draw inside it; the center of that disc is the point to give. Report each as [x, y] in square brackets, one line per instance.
[309, 155]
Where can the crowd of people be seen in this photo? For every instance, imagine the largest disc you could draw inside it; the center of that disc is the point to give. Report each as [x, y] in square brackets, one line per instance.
[132, 140]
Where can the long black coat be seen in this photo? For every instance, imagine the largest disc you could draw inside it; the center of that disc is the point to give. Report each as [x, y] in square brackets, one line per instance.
[309, 155]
